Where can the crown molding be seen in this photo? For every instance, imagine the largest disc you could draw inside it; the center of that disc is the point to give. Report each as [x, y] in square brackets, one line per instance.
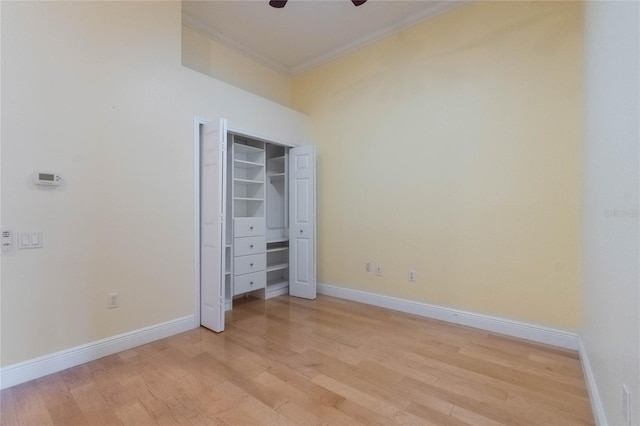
[439, 8]
[197, 25]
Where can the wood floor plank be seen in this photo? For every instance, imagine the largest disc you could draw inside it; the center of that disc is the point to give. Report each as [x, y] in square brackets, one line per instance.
[8, 414]
[134, 414]
[298, 415]
[434, 416]
[93, 406]
[542, 412]
[289, 361]
[29, 404]
[524, 365]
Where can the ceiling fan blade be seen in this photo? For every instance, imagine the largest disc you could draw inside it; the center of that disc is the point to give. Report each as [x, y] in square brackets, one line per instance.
[358, 2]
[278, 4]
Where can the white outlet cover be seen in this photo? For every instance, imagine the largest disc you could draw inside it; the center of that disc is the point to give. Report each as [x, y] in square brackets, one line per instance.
[112, 300]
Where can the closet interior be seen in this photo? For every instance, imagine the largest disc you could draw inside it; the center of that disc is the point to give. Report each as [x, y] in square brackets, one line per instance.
[257, 237]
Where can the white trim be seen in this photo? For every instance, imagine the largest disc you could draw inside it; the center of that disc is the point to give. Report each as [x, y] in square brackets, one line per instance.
[261, 138]
[195, 23]
[268, 294]
[594, 396]
[197, 122]
[536, 333]
[436, 10]
[15, 374]
[198, 25]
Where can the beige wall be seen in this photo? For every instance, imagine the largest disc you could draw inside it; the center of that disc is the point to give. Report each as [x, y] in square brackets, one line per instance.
[218, 60]
[453, 148]
[96, 92]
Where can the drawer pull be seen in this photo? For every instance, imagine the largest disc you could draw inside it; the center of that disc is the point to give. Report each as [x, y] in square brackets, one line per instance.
[251, 246]
[251, 264]
[251, 228]
[250, 282]
[301, 231]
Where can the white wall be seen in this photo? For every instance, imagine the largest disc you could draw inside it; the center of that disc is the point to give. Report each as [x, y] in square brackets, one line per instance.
[96, 91]
[611, 306]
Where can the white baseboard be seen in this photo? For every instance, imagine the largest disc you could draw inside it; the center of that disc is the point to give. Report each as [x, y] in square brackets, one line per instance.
[277, 292]
[592, 387]
[15, 374]
[550, 336]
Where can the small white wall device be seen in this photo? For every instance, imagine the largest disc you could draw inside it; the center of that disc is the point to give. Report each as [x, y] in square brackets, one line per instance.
[46, 178]
[7, 240]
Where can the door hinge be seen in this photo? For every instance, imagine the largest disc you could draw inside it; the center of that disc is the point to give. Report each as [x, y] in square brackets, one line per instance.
[221, 218]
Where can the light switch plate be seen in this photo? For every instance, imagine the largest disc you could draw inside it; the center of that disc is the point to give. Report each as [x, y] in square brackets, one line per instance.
[24, 240]
[36, 239]
[29, 240]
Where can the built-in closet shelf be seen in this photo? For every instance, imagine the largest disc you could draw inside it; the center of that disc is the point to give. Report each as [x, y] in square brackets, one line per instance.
[277, 267]
[275, 249]
[247, 199]
[248, 181]
[279, 158]
[247, 149]
[242, 164]
[276, 284]
[276, 176]
[276, 239]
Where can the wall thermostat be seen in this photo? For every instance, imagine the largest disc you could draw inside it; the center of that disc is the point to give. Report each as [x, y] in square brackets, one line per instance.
[46, 178]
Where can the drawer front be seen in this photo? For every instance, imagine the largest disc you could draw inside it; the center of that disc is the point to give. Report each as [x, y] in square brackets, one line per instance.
[249, 282]
[249, 245]
[248, 264]
[248, 227]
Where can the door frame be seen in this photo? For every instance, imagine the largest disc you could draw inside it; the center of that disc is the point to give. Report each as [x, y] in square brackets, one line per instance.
[198, 122]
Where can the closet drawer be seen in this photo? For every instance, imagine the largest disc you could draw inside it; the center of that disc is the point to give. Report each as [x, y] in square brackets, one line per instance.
[247, 264]
[249, 245]
[249, 282]
[248, 227]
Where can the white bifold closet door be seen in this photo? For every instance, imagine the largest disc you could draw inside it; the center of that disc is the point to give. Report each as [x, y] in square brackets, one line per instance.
[302, 222]
[212, 224]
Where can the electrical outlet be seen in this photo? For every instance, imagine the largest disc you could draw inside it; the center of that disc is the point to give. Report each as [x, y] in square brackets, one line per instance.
[411, 275]
[113, 300]
[626, 405]
[379, 270]
[367, 266]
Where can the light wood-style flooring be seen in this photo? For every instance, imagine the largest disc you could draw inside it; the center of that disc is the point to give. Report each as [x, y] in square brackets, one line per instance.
[289, 361]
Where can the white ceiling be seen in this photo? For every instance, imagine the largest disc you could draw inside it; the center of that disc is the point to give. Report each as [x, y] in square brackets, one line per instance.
[305, 33]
